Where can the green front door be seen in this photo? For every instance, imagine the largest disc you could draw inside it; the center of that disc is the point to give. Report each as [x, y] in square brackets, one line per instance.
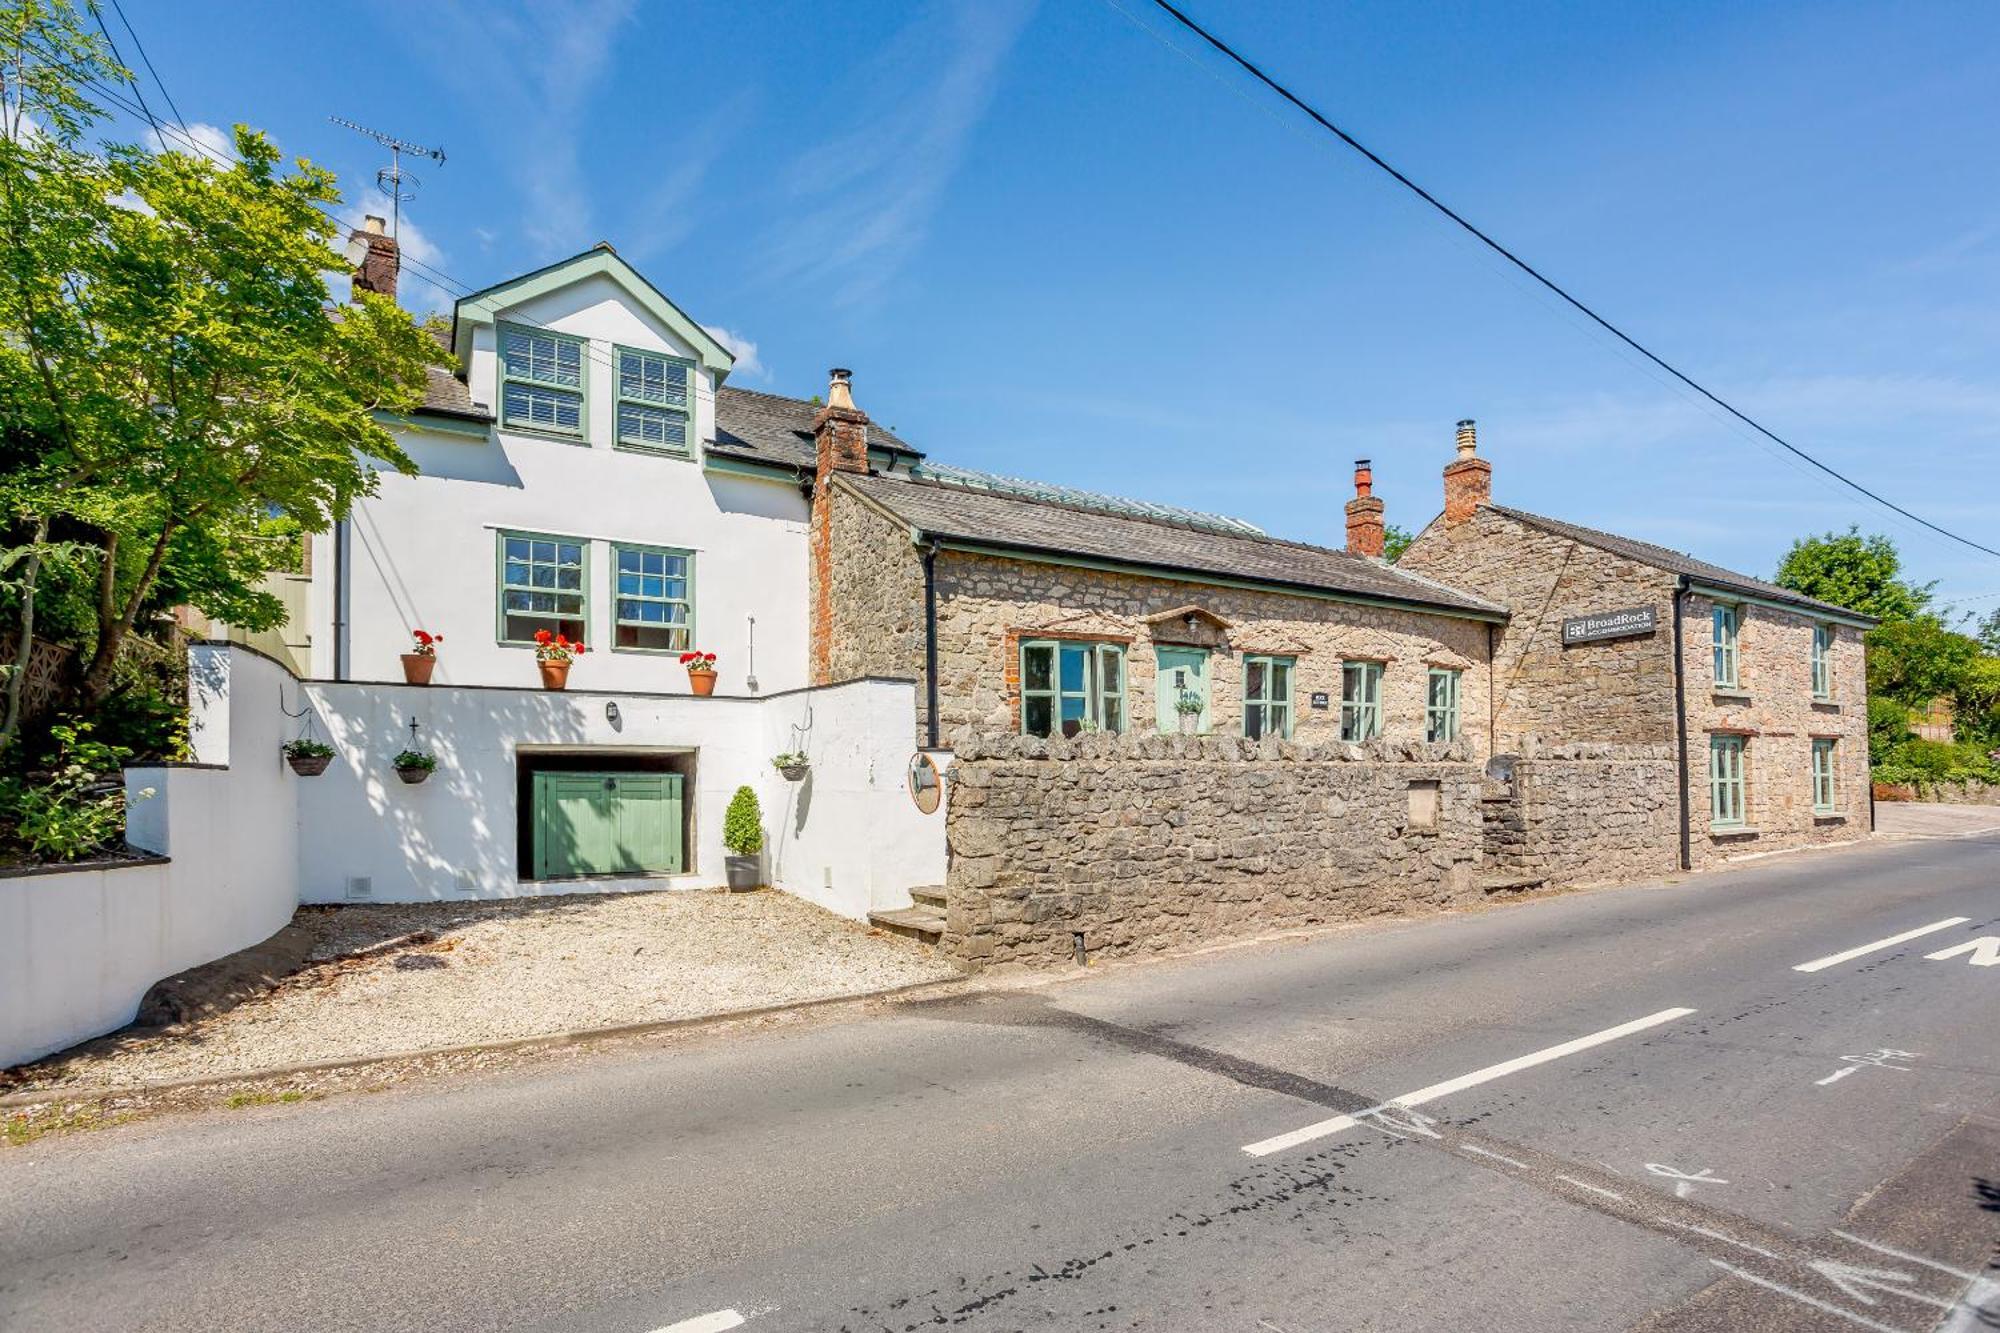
[607, 824]
[1183, 675]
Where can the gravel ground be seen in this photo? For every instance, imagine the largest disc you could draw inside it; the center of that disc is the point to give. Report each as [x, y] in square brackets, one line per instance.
[496, 971]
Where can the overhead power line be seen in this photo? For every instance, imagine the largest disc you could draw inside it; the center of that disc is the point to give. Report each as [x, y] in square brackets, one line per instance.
[1251, 68]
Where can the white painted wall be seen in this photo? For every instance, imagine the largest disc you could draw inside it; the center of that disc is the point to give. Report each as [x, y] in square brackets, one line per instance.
[423, 552]
[79, 949]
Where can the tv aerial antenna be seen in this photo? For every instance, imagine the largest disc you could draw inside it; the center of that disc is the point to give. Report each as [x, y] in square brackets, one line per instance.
[392, 180]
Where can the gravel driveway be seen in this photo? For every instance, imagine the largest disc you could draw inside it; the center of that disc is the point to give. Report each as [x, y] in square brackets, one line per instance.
[529, 967]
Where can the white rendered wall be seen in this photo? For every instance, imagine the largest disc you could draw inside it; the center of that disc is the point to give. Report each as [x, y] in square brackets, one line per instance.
[79, 949]
[423, 552]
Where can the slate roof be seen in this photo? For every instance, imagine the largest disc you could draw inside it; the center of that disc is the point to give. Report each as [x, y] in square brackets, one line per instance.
[949, 511]
[767, 428]
[1674, 562]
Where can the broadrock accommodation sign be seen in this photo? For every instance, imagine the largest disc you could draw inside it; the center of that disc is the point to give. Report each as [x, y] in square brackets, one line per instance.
[1609, 625]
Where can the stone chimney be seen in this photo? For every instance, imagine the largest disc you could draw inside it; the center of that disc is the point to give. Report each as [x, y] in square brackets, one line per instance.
[1364, 514]
[377, 269]
[1468, 478]
[840, 439]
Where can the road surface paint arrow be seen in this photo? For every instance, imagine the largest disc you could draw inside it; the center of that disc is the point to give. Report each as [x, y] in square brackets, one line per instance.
[1854, 1280]
[1985, 952]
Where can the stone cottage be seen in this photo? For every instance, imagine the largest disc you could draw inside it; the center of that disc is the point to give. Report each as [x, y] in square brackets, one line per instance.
[1761, 692]
[1044, 611]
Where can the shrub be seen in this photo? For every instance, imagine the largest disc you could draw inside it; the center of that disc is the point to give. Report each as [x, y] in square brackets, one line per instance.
[76, 807]
[308, 749]
[414, 759]
[743, 825]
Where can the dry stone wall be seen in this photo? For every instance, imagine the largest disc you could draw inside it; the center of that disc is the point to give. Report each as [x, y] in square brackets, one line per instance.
[1148, 843]
[1598, 814]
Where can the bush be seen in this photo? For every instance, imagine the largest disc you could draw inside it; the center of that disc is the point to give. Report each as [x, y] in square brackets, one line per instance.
[1888, 727]
[1937, 761]
[75, 807]
[743, 825]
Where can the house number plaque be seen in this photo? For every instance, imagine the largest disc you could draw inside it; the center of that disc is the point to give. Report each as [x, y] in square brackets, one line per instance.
[1321, 699]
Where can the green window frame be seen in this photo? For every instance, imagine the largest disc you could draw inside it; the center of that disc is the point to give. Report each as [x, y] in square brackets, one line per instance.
[1267, 695]
[1826, 795]
[652, 599]
[1822, 661]
[544, 381]
[1726, 621]
[655, 408]
[544, 583]
[1725, 781]
[1360, 701]
[1071, 686]
[1441, 705]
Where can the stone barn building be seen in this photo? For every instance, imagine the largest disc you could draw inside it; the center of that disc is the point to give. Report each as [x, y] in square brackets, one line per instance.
[1761, 692]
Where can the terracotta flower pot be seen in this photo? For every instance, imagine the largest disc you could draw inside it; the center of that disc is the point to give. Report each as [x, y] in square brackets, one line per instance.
[701, 682]
[309, 765]
[555, 675]
[417, 668]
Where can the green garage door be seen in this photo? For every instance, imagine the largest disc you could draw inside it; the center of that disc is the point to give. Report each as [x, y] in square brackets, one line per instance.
[607, 824]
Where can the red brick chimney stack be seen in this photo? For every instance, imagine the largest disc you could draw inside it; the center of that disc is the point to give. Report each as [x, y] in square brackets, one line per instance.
[1365, 533]
[840, 430]
[377, 270]
[1468, 478]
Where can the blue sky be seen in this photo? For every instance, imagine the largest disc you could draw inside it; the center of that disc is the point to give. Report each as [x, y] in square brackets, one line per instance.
[1051, 243]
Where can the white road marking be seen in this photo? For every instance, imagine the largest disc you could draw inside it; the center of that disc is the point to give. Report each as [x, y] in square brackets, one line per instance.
[1726, 1240]
[1319, 1130]
[1498, 1157]
[1804, 1299]
[1831, 959]
[1906, 1257]
[1835, 1076]
[1854, 1280]
[1985, 952]
[1594, 1189]
[1684, 1183]
[714, 1322]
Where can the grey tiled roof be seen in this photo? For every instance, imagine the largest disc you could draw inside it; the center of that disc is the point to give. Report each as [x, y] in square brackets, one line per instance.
[446, 392]
[941, 509]
[770, 429]
[1674, 562]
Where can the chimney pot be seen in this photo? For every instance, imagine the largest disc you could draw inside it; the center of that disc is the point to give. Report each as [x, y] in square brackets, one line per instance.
[840, 391]
[1468, 479]
[1366, 534]
[373, 225]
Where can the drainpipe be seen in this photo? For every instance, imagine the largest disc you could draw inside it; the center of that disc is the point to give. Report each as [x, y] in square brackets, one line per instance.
[930, 645]
[340, 599]
[1681, 722]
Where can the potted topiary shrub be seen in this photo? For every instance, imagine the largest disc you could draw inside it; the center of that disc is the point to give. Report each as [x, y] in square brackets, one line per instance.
[701, 671]
[308, 758]
[743, 835]
[793, 764]
[553, 654]
[413, 766]
[422, 659]
[1189, 708]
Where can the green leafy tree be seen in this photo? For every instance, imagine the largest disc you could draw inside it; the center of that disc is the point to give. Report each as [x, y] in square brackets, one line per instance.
[1860, 573]
[1916, 661]
[1395, 541]
[1988, 632]
[166, 333]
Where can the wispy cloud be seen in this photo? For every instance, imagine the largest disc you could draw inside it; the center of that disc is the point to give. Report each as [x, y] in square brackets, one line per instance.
[665, 214]
[861, 201]
[212, 141]
[542, 64]
[743, 349]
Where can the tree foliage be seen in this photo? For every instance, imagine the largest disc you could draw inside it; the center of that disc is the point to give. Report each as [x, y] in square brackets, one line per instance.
[743, 824]
[1860, 573]
[1395, 541]
[188, 395]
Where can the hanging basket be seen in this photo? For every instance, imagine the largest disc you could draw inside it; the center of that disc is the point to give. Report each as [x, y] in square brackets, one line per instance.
[795, 772]
[309, 765]
[413, 774]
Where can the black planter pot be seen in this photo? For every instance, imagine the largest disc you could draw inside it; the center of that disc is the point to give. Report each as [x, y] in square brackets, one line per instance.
[743, 872]
[413, 776]
[309, 765]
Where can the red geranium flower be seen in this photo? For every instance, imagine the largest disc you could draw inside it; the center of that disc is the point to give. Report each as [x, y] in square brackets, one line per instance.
[543, 636]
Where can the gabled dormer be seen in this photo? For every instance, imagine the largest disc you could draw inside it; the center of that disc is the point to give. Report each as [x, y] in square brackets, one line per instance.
[588, 352]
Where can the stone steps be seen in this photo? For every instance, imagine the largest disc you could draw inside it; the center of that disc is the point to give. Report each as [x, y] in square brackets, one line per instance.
[931, 895]
[923, 922]
[1510, 883]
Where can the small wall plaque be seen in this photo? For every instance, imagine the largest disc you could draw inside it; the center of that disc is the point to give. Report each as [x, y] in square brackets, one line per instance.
[1629, 623]
[1321, 699]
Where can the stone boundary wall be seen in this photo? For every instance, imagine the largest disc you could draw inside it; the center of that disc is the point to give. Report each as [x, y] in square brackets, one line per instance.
[1955, 793]
[1598, 813]
[1147, 843]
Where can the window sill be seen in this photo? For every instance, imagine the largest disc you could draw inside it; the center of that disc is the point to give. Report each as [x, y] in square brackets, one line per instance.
[1828, 817]
[553, 436]
[1733, 831]
[1731, 694]
[1825, 705]
[680, 455]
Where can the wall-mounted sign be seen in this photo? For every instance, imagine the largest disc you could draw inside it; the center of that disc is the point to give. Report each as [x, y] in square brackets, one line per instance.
[1609, 625]
[1321, 699]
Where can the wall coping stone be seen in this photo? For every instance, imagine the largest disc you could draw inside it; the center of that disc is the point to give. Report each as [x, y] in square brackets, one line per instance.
[974, 745]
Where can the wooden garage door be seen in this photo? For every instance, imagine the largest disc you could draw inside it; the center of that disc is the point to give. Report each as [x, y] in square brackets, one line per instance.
[607, 824]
